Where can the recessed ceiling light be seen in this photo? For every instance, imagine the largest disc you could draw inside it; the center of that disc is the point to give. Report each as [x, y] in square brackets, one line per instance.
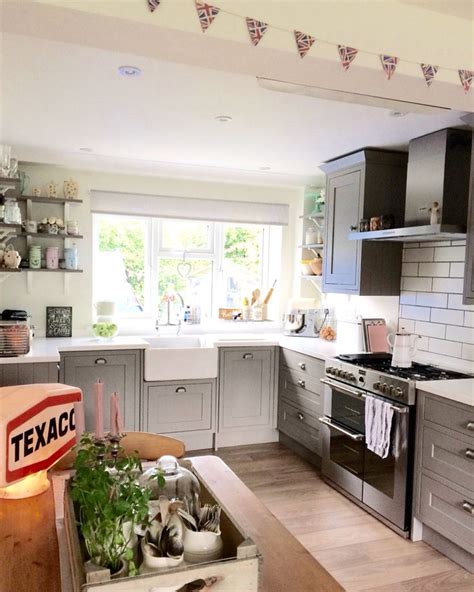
[397, 114]
[129, 71]
[264, 168]
[86, 149]
[223, 118]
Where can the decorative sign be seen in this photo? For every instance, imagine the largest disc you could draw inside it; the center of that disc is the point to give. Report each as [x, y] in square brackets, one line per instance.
[347, 55]
[206, 14]
[303, 42]
[38, 427]
[59, 321]
[256, 30]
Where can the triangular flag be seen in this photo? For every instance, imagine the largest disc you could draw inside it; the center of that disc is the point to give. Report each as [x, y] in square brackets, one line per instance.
[347, 55]
[429, 72]
[389, 64]
[303, 42]
[466, 77]
[256, 30]
[206, 14]
[153, 4]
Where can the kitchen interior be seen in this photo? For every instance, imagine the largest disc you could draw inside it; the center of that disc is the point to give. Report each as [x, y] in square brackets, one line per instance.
[273, 276]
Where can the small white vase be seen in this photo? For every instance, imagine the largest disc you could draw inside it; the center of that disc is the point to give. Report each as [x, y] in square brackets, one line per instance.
[203, 546]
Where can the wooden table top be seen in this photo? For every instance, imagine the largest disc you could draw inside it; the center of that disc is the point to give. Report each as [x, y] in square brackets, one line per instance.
[30, 557]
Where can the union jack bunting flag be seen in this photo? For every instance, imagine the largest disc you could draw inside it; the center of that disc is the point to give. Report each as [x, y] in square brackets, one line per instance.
[153, 4]
[256, 30]
[303, 42]
[389, 64]
[347, 55]
[466, 77]
[206, 14]
[429, 72]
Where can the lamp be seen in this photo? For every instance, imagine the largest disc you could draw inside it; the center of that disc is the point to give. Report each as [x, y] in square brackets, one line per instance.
[37, 428]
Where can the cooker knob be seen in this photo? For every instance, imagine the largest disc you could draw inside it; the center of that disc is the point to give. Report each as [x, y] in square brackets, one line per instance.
[330, 370]
[399, 391]
[343, 374]
[337, 372]
[384, 387]
[390, 389]
[376, 386]
[350, 376]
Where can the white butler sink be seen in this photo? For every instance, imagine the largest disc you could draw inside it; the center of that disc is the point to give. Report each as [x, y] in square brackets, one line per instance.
[184, 357]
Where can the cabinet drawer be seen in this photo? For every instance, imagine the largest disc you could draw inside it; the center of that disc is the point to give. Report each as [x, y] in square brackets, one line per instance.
[299, 425]
[298, 395]
[448, 512]
[450, 416]
[301, 363]
[449, 457]
[300, 380]
[178, 407]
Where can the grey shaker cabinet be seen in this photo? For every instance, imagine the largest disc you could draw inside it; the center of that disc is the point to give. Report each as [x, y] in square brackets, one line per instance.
[246, 388]
[468, 296]
[29, 373]
[365, 184]
[119, 370]
[178, 406]
[444, 475]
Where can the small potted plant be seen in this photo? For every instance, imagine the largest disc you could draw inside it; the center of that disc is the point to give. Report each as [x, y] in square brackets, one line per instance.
[110, 503]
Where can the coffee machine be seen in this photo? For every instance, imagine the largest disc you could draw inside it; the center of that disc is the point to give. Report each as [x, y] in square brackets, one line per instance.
[305, 322]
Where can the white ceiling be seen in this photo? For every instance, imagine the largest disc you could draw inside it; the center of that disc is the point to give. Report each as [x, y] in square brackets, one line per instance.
[57, 98]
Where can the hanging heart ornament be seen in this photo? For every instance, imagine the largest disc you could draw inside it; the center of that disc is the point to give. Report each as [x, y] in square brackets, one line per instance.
[184, 269]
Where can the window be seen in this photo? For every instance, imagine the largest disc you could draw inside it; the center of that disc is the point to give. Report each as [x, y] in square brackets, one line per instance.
[156, 268]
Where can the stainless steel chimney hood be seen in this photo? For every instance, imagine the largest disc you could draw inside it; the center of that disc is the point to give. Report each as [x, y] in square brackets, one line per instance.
[439, 170]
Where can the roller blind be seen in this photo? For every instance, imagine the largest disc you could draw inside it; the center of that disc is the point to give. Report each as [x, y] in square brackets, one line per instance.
[164, 206]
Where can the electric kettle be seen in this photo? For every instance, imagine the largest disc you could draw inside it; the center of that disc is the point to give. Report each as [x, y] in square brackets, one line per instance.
[403, 348]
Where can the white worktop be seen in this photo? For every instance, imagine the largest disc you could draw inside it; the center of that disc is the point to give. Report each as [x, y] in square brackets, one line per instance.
[460, 390]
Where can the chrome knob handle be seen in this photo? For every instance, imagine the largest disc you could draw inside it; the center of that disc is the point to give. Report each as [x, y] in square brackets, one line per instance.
[302, 365]
[300, 416]
[469, 453]
[468, 507]
[399, 391]
[470, 425]
[376, 386]
[301, 383]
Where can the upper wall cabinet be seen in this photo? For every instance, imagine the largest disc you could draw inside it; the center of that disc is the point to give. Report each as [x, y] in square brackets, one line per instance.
[469, 268]
[359, 186]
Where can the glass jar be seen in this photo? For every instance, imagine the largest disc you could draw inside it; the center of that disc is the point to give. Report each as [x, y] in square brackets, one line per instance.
[180, 483]
[12, 211]
[70, 258]
[34, 257]
[52, 258]
[328, 331]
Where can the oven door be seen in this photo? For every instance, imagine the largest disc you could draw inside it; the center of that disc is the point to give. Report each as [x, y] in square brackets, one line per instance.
[387, 486]
[343, 437]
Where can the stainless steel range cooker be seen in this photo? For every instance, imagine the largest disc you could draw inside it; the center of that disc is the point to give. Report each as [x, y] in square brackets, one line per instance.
[381, 486]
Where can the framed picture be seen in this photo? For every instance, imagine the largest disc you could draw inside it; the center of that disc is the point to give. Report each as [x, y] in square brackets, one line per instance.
[59, 321]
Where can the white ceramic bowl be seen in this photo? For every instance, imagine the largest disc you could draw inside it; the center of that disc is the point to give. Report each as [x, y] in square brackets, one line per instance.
[153, 563]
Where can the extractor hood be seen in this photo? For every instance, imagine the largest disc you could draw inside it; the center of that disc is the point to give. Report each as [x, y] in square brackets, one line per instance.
[439, 170]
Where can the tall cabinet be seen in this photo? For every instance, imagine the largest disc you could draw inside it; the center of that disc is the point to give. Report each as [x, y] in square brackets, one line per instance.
[362, 185]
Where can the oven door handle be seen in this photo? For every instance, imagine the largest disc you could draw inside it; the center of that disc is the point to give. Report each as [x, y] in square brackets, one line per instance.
[342, 388]
[352, 436]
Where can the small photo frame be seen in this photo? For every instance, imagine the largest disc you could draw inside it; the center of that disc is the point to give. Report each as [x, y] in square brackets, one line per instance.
[59, 321]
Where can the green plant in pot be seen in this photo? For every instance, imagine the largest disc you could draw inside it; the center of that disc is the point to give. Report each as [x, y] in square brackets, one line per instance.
[110, 502]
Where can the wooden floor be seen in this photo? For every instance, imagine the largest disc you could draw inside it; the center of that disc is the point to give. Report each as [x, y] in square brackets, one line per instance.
[358, 550]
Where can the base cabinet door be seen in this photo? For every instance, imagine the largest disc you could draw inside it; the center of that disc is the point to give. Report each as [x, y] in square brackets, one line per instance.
[14, 374]
[119, 371]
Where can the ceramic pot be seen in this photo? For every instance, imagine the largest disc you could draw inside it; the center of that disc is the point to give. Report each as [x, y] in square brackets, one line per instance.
[203, 546]
[34, 257]
[70, 258]
[52, 258]
[152, 563]
[11, 258]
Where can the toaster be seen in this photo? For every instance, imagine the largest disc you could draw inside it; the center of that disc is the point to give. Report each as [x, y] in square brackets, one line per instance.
[14, 338]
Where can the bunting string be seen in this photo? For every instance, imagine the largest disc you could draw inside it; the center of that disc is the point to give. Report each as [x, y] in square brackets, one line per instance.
[304, 41]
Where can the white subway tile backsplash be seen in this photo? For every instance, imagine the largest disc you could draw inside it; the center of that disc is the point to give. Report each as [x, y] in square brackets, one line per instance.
[409, 269]
[447, 254]
[459, 243]
[464, 334]
[407, 297]
[430, 299]
[449, 317]
[417, 313]
[447, 348]
[430, 329]
[426, 254]
[468, 352]
[437, 269]
[469, 319]
[407, 324]
[436, 244]
[423, 344]
[455, 301]
[417, 284]
[457, 269]
[451, 285]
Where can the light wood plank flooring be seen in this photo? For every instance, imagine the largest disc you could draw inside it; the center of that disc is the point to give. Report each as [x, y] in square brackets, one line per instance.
[358, 550]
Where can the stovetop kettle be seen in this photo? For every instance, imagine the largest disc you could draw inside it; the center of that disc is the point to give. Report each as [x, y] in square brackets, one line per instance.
[403, 346]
